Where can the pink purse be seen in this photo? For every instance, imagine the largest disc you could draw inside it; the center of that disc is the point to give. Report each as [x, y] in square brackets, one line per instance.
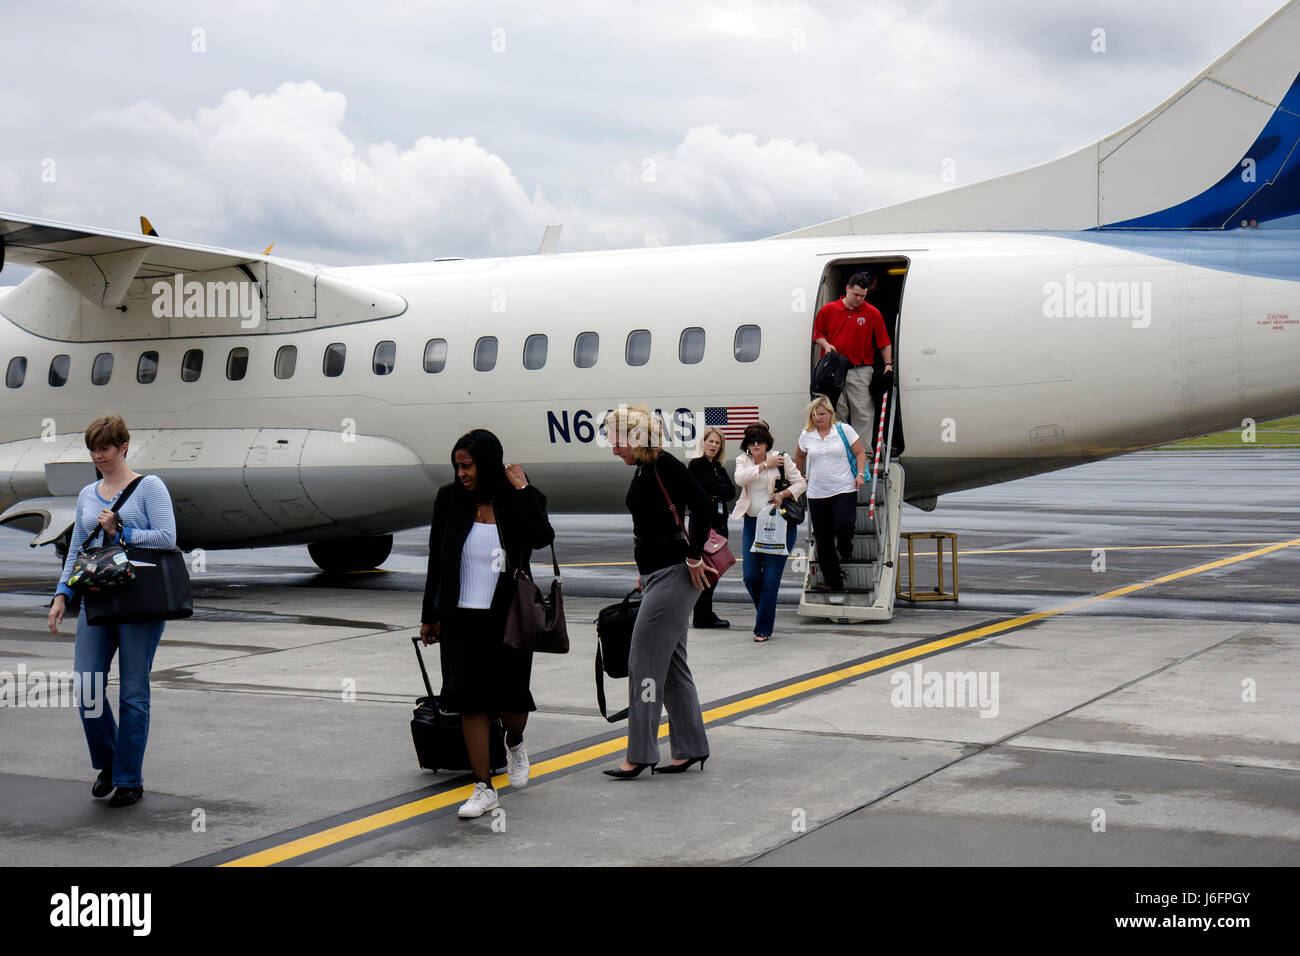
[717, 554]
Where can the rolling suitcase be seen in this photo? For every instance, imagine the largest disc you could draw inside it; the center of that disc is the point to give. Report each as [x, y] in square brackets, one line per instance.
[439, 740]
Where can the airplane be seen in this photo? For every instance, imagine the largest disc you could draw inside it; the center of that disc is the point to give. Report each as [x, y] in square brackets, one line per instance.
[1143, 289]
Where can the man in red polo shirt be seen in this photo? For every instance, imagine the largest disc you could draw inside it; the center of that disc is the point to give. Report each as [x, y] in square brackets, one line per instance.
[856, 329]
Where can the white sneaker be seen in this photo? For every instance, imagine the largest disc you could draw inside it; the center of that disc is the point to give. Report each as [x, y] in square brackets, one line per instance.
[483, 799]
[517, 765]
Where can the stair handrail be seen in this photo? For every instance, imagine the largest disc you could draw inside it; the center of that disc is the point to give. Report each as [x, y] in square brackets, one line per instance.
[885, 406]
[893, 410]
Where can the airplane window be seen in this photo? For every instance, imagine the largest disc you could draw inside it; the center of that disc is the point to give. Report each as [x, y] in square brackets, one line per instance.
[192, 365]
[585, 349]
[59, 370]
[534, 351]
[16, 373]
[146, 370]
[102, 370]
[435, 355]
[237, 364]
[286, 360]
[335, 354]
[385, 358]
[485, 353]
[749, 338]
[638, 347]
[690, 348]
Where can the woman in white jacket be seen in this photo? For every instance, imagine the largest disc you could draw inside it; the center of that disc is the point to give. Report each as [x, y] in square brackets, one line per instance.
[758, 468]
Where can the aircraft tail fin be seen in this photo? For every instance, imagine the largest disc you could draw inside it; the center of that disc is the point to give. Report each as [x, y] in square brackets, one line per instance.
[1222, 152]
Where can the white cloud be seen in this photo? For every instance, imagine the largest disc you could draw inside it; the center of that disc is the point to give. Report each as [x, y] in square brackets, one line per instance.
[714, 185]
[279, 167]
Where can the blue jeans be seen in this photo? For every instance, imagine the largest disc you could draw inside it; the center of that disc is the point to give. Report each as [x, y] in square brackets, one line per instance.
[763, 575]
[112, 746]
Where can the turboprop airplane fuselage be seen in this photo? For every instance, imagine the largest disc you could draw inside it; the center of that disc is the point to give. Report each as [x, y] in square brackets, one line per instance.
[1015, 354]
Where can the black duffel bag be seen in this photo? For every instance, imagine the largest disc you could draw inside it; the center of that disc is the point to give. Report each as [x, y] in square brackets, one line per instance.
[614, 626]
[160, 591]
[829, 376]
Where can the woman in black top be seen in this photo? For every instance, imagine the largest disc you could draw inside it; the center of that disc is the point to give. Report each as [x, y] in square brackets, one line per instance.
[672, 573]
[485, 524]
[708, 471]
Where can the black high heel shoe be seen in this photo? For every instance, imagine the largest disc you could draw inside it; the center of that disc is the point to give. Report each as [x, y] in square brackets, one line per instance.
[683, 767]
[622, 774]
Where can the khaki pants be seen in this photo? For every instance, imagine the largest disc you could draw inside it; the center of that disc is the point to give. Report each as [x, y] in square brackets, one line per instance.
[855, 405]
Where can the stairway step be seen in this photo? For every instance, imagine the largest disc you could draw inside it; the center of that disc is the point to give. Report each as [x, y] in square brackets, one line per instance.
[863, 524]
[858, 578]
[866, 547]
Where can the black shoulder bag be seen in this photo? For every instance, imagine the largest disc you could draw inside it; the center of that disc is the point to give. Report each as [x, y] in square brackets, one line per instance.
[792, 509]
[614, 627]
[536, 621]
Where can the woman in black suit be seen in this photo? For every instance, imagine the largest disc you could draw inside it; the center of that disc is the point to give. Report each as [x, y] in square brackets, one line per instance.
[708, 470]
[485, 524]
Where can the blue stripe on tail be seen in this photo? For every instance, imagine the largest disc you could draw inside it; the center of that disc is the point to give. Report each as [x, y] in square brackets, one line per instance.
[1272, 193]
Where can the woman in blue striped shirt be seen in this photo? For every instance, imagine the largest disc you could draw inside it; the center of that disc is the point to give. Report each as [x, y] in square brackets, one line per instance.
[116, 750]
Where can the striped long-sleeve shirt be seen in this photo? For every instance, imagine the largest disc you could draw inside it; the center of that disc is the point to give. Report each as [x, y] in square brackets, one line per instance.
[148, 521]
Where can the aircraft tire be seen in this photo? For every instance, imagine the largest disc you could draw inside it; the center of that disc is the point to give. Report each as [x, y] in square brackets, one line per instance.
[355, 554]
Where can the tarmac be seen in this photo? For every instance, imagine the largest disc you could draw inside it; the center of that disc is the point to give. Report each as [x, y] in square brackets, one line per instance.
[1117, 685]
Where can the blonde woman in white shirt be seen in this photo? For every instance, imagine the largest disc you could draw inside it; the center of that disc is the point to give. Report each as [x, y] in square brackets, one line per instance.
[836, 465]
[757, 469]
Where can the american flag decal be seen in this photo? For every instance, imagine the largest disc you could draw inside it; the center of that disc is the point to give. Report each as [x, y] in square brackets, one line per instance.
[731, 420]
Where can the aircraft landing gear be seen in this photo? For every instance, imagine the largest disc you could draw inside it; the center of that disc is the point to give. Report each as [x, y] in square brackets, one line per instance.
[355, 554]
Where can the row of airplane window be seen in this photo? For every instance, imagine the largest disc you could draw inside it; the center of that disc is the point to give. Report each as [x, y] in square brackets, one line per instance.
[586, 349]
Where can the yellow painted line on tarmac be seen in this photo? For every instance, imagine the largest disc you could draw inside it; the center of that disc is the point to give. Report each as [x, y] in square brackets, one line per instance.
[407, 811]
[1123, 547]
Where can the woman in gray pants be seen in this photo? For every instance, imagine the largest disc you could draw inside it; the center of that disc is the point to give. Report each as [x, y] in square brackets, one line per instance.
[671, 576]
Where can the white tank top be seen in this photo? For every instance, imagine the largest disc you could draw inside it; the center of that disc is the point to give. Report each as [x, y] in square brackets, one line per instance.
[480, 563]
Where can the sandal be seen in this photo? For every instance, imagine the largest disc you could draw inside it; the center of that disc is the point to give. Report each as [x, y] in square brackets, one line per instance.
[759, 638]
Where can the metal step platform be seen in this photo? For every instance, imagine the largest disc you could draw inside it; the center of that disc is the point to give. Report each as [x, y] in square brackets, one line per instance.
[869, 577]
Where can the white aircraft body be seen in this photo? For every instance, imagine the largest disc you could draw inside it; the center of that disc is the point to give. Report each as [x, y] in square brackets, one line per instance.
[1141, 290]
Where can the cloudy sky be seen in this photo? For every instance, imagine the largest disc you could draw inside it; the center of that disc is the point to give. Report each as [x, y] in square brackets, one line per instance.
[351, 133]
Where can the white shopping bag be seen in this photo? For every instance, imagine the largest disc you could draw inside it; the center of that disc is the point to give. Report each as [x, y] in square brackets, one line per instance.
[769, 535]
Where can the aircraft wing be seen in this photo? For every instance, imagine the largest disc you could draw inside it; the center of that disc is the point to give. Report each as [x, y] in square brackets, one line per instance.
[112, 271]
[104, 261]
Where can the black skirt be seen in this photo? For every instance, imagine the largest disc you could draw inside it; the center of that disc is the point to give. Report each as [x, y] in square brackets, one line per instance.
[480, 674]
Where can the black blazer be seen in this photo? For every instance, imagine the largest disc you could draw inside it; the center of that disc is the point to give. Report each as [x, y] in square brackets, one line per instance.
[717, 484]
[522, 524]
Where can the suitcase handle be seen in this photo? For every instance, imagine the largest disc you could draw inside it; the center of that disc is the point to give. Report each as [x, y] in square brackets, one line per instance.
[419, 655]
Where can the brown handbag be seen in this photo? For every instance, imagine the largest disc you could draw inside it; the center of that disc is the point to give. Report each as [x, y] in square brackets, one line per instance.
[536, 621]
[717, 554]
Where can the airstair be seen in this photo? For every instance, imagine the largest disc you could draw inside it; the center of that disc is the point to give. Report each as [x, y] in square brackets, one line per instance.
[869, 577]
